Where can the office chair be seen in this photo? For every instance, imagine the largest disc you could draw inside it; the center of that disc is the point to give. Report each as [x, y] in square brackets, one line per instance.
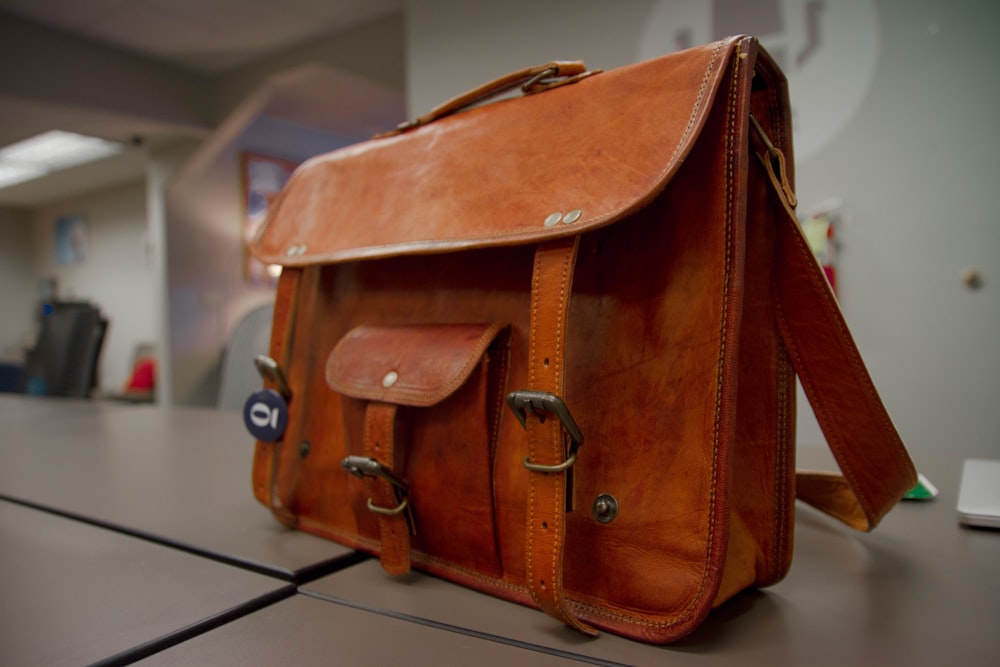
[65, 358]
[252, 336]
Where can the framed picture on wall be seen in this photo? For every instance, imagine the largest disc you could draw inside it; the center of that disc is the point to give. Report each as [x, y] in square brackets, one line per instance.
[71, 239]
[263, 178]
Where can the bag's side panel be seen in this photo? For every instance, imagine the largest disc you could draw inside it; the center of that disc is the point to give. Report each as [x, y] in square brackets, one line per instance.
[295, 358]
[764, 492]
[651, 379]
[268, 457]
[762, 488]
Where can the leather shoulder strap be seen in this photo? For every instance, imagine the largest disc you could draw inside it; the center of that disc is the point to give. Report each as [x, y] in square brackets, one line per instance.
[876, 468]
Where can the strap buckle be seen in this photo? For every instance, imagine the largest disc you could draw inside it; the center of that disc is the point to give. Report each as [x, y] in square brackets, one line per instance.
[774, 164]
[553, 77]
[540, 404]
[362, 467]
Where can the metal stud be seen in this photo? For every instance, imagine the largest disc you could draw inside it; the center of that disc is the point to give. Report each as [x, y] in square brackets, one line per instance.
[572, 216]
[553, 219]
[605, 508]
[390, 379]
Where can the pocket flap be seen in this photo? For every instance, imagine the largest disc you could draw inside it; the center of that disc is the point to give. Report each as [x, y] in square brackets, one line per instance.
[408, 365]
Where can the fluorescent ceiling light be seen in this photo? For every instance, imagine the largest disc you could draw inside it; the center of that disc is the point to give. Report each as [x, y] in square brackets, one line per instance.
[11, 174]
[49, 152]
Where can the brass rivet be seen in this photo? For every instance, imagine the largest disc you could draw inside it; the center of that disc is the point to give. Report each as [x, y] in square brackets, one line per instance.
[390, 379]
[553, 219]
[572, 216]
[605, 508]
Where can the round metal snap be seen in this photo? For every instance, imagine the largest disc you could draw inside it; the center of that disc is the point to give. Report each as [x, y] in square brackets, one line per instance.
[605, 508]
[553, 219]
[390, 379]
[572, 216]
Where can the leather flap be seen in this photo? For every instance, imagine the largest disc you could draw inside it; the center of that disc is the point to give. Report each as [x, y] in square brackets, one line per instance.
[516, 171]
[408, 365]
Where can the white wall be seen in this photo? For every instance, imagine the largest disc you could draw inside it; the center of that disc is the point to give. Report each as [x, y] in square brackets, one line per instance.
[18, 289]
[117, 274]
[914, 163]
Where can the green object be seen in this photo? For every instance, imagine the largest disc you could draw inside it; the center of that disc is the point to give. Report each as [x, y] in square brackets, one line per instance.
[924, 490]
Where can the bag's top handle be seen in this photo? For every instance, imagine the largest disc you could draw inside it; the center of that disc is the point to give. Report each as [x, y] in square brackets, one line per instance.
[530, 80]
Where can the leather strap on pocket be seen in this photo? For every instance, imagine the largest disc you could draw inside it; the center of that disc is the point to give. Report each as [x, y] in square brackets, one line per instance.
[394, 529]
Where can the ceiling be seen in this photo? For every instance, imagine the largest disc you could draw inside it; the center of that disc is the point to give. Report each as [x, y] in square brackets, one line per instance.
[207, 38]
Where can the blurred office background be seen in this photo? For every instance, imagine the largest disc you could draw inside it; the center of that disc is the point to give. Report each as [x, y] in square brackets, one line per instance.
[896, 128]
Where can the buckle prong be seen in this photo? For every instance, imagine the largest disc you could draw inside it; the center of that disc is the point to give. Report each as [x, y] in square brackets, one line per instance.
[539, 404]
[362, 467]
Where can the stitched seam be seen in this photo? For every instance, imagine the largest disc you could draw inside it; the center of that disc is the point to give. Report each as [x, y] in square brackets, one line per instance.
[424, 558]
[781, 463]
[499, 368]
[698, 101]
[723, 324]
[557, 443]
[533, 350]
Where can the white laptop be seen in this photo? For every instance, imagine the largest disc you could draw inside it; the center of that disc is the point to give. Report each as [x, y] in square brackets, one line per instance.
[979, 493]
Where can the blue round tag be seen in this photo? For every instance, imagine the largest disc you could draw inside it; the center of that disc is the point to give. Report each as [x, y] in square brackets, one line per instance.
[266, 415]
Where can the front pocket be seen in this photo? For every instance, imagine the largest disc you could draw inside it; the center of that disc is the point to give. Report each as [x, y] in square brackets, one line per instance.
[444, 384]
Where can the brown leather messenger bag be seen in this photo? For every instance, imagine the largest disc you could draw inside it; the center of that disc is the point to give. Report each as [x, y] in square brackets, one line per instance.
[546, 346]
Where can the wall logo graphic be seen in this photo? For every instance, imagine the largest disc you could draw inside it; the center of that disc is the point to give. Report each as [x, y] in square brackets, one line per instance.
[828, 50]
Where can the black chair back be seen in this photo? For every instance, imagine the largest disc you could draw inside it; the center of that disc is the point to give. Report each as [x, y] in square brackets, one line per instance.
[64, 361]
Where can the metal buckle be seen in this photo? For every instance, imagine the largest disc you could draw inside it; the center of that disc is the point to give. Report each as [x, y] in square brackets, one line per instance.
[362, 466]
[550, 78]
[540, 403]
[775, 163]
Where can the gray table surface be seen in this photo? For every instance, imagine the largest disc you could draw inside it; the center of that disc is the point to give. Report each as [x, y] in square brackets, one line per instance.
[180, 476]
[920, 590]
[73, 593]
[21, 407]
[306, 631]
